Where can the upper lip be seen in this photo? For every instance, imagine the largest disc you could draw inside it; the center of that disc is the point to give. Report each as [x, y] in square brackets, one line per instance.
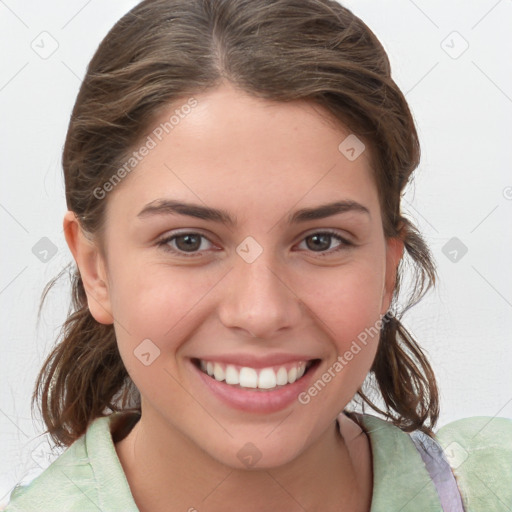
[252, 361]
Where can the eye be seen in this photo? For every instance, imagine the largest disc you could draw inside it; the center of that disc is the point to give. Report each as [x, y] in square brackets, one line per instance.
[322, 240]
[184, 244]
[190, 244]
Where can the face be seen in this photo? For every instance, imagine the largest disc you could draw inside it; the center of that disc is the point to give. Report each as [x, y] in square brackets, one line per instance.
[274, 297]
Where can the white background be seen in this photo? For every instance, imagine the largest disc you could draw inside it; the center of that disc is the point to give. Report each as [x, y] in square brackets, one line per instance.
[463, 188]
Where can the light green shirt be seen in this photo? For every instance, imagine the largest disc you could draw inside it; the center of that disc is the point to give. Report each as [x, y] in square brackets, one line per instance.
[88, 476]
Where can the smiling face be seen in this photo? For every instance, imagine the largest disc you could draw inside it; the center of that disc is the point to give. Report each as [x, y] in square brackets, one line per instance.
[250, 270]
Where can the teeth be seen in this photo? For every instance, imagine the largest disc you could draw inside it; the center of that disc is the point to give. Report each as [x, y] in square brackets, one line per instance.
[232, 376]
[301, 370]
[282, 377]
[248, 378]
[267, 379]
[218, 372]
[245, 377]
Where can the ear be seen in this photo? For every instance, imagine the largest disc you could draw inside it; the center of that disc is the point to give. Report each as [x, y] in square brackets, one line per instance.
[92, 269]
[394, 253]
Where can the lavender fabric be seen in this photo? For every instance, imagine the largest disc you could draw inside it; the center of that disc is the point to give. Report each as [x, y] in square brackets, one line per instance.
[439, 469]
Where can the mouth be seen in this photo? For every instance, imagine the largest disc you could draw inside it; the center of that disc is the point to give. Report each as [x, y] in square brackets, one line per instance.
[266, 379]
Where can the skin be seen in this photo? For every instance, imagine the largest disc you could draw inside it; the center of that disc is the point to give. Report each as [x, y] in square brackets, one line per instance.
[259, 161]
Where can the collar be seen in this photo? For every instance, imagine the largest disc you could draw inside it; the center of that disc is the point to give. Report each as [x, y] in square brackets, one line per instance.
[400, 478]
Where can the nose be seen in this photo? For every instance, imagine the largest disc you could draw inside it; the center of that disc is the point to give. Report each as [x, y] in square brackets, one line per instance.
[259, 299]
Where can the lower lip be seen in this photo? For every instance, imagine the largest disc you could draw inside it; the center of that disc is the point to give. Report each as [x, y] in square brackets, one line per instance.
[265, 401]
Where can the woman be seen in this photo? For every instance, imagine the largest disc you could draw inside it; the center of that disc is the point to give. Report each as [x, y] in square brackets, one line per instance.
[233, 177]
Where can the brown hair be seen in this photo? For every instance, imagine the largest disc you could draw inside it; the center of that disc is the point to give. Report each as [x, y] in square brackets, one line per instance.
[282, 50]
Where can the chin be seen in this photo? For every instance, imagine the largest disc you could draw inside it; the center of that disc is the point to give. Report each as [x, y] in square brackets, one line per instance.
[258, 453]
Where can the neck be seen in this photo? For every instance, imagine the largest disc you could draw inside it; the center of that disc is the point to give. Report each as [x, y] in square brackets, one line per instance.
[176, 475]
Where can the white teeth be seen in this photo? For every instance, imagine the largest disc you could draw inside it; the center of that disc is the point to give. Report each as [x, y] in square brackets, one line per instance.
[267, 379]
[218, 372]
[282, 376]
[232, 375]
[248, 378]
[245, 377]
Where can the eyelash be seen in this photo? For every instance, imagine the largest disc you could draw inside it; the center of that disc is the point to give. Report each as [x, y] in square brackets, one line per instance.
[164, 243]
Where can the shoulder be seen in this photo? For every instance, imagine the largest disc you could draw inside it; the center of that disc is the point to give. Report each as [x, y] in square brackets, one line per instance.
[86, 477]
[65, 483]
[401, 480]
[479, 451]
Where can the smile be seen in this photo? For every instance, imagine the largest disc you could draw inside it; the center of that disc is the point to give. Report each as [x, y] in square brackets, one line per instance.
[269, 378]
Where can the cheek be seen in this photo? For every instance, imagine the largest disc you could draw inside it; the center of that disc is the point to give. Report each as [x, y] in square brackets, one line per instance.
[348, 309]
[158, 303]
[348, 304]
[154, 308]
[347, 298]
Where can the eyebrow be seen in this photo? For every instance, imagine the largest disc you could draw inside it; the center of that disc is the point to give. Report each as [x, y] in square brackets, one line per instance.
[173, 207]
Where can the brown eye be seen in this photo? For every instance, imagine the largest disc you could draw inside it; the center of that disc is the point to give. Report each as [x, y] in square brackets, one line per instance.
[189, 242]
[322, 241]
[184, 244]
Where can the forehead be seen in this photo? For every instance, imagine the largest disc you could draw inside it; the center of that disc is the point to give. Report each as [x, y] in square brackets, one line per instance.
[234, 150]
